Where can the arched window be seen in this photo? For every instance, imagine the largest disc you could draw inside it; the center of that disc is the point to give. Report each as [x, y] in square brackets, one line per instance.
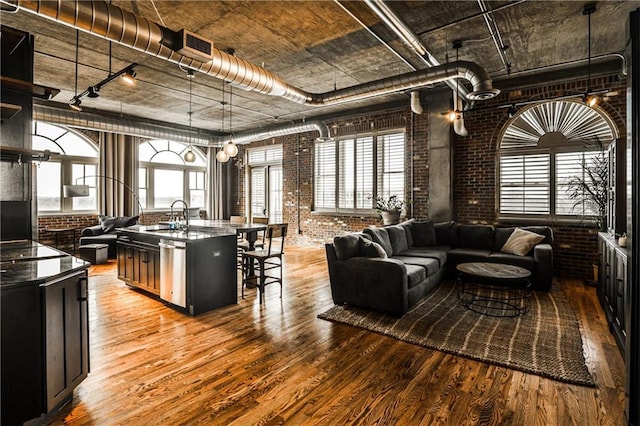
[164, 176]
[543, 148]
[78, 159]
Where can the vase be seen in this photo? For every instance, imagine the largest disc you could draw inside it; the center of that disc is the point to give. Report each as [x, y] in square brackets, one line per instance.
[390, 218]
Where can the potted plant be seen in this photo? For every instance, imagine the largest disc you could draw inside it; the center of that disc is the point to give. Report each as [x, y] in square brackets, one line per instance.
[389, 208]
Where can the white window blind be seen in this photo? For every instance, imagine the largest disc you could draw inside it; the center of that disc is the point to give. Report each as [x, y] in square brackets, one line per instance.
[346, 171]
[568, 166]
[262, 155]
[325, 175]
[524, 184]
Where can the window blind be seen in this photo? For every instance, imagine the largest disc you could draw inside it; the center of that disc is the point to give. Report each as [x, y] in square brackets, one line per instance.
[325, 175]
[524, 184]
[568, 166]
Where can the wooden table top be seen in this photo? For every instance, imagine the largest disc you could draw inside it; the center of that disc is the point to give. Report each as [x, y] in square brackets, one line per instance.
[493, 270]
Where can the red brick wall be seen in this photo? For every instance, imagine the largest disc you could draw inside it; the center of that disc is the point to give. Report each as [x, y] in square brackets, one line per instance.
[475, 172]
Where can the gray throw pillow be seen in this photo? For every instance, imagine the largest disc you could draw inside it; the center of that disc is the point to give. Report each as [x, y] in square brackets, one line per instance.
[109, 223]
[446, 233]
[347, 246]
[424, 234]
[398, 238]
[380, 236]
[371, 249]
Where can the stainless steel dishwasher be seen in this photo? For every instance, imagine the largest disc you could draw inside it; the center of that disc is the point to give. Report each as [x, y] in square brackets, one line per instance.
[173, 272]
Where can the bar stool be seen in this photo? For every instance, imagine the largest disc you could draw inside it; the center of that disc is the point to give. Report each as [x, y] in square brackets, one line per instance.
[267, 259]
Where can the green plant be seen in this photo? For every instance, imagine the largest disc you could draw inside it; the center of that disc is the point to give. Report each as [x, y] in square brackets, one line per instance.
[588, 190]
[391, 204]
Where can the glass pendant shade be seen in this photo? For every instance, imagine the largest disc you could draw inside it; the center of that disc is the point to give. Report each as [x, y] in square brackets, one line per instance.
[189, 156]
[222, 157]
[231, 149]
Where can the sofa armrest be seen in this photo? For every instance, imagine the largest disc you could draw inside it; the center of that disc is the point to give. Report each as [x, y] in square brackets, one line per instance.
[543, 256]
[92, 230]
[373, 283]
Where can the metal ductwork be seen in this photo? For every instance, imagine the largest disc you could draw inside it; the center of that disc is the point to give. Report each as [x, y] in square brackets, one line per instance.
[275, 131]
[416, 106]
[409, 38]
[117, 25]
[458, 123]
[104, 123]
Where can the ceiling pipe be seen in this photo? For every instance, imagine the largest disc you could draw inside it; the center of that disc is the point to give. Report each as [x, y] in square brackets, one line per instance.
[416, 106]
[409, 38]
[276, 131]
[458, 123]
[112, 23]
[495, 35]
[101, 122]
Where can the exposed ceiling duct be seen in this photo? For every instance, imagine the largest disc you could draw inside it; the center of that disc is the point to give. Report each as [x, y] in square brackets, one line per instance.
[138, 127]
[112, 23]
[102, 122]
[409, 38]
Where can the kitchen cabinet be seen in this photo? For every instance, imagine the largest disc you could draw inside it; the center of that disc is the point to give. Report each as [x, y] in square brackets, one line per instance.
[613, 288]
[139, 264]
[66, 335]
[44, 330]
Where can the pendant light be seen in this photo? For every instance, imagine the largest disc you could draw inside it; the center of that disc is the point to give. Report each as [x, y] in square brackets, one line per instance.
[589, 98]
[230, 148]
[222, 156]
[189, 156]
[455, 114]
[75, 102]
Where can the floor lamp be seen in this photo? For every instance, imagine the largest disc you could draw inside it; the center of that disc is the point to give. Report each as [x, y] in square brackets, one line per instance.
[72, 191]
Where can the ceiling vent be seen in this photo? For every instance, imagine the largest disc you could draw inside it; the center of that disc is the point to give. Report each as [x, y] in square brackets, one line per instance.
[192, 45]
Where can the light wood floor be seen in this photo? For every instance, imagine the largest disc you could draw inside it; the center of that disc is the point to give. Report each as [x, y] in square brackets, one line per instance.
[279, 364]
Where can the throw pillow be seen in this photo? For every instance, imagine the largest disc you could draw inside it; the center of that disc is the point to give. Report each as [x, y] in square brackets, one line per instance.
[347, 246]
[371, 249]
[521, 242]
[398, 238]
[424, 234]
[109, 223]
[380, 236]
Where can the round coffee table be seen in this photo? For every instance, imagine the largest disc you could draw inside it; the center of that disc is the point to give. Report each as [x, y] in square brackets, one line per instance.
[494, 289]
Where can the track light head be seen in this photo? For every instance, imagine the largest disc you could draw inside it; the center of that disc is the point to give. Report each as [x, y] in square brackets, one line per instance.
[129, 77]
[74, 104]
[93, 92]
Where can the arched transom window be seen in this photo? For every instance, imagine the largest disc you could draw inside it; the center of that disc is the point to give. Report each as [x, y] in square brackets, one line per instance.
[543, 149]
[164, 176]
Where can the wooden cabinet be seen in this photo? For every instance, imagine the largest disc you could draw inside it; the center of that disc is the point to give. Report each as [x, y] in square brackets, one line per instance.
[613, 289]
[66, 336]
[139, 265]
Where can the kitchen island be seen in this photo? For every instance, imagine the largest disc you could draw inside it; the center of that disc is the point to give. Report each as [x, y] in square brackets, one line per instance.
[193, 271]
[45, 329]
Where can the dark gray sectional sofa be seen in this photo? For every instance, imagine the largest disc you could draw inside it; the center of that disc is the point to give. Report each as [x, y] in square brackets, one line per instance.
[410, 258]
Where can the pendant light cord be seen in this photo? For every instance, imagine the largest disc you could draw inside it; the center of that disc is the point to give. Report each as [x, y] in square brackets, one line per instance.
[589, 50]
[77, 45]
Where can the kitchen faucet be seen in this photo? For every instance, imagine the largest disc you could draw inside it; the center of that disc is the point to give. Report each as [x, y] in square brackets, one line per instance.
[186, 206]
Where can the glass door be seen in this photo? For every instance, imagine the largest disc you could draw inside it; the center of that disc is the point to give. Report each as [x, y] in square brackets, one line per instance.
[266, 192]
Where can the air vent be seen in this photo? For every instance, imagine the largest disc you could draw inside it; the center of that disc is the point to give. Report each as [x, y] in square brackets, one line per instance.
[192, 45]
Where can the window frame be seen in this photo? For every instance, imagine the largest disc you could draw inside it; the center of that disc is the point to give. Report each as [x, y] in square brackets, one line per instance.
[376, 173]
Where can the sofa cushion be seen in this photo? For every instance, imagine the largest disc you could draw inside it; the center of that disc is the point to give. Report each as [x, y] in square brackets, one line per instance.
[415, 275]
[446, 233]
[92, 230]
[398, 238]
[521, 242]
[110, 223]
[476, 236]
[462, 255]
[526, 262]
[430, 264]
[347, 246]
[501, 236]
[380, 236]
[407, 224]
[424, 234]
[435, 252]
[370, 248]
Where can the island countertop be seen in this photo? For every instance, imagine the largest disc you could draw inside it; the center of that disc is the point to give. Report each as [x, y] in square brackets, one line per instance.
[192, 234]
[25, 262]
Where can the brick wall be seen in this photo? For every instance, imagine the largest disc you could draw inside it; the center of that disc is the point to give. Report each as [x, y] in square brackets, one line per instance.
[475, 172]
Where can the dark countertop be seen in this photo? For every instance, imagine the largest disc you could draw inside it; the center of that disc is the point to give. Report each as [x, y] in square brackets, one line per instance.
[28, 262]
[192, 234]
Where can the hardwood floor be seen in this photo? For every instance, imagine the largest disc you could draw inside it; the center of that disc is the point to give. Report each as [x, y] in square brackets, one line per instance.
[279, 364]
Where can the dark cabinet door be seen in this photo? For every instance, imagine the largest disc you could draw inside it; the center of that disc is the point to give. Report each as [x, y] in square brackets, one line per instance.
[67, 336]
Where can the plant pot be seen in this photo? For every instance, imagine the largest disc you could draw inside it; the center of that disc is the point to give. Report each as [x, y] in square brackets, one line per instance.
[390, 218]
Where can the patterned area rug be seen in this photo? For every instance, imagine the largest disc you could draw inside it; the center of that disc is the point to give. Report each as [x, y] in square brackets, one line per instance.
[546, 341]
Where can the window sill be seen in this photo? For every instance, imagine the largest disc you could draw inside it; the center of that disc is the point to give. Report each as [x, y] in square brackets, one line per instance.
[345, 213]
